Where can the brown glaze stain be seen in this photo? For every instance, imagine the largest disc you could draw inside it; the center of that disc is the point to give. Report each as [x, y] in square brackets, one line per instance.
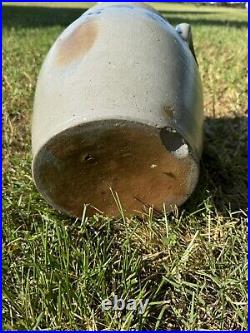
[77, 44]
[168, 111]
[74, 180]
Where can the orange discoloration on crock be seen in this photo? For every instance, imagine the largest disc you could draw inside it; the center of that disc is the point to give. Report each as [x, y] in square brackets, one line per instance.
[80, 167]
[77, 43]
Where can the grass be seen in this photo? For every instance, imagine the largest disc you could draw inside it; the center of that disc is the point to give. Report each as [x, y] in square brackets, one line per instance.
[190, 264]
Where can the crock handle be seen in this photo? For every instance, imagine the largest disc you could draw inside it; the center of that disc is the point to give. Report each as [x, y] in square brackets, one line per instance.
[184, 30]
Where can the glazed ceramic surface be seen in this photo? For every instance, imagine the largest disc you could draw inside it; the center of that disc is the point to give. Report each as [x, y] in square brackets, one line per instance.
[118, 105]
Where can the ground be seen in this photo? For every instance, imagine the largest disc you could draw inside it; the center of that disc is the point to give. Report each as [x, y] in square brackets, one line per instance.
[190, 264]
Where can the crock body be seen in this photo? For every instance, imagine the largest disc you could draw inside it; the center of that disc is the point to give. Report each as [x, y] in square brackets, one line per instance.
[118, 105]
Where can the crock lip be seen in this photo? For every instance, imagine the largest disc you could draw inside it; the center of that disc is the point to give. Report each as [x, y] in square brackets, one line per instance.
[91, 125]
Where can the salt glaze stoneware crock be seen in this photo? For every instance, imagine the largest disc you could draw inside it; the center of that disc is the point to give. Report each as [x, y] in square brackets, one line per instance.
[118, 105]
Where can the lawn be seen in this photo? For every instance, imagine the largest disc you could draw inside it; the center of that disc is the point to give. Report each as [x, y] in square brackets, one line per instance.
[191, 264]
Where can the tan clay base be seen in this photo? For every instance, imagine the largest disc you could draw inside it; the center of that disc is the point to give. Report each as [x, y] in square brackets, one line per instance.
[81, 164]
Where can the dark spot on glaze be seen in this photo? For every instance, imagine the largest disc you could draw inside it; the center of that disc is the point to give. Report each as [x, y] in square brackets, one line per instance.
[96, 12]
[169, 111]
[171, 139]
[88, 157]
[169, 174]
[77, 43]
